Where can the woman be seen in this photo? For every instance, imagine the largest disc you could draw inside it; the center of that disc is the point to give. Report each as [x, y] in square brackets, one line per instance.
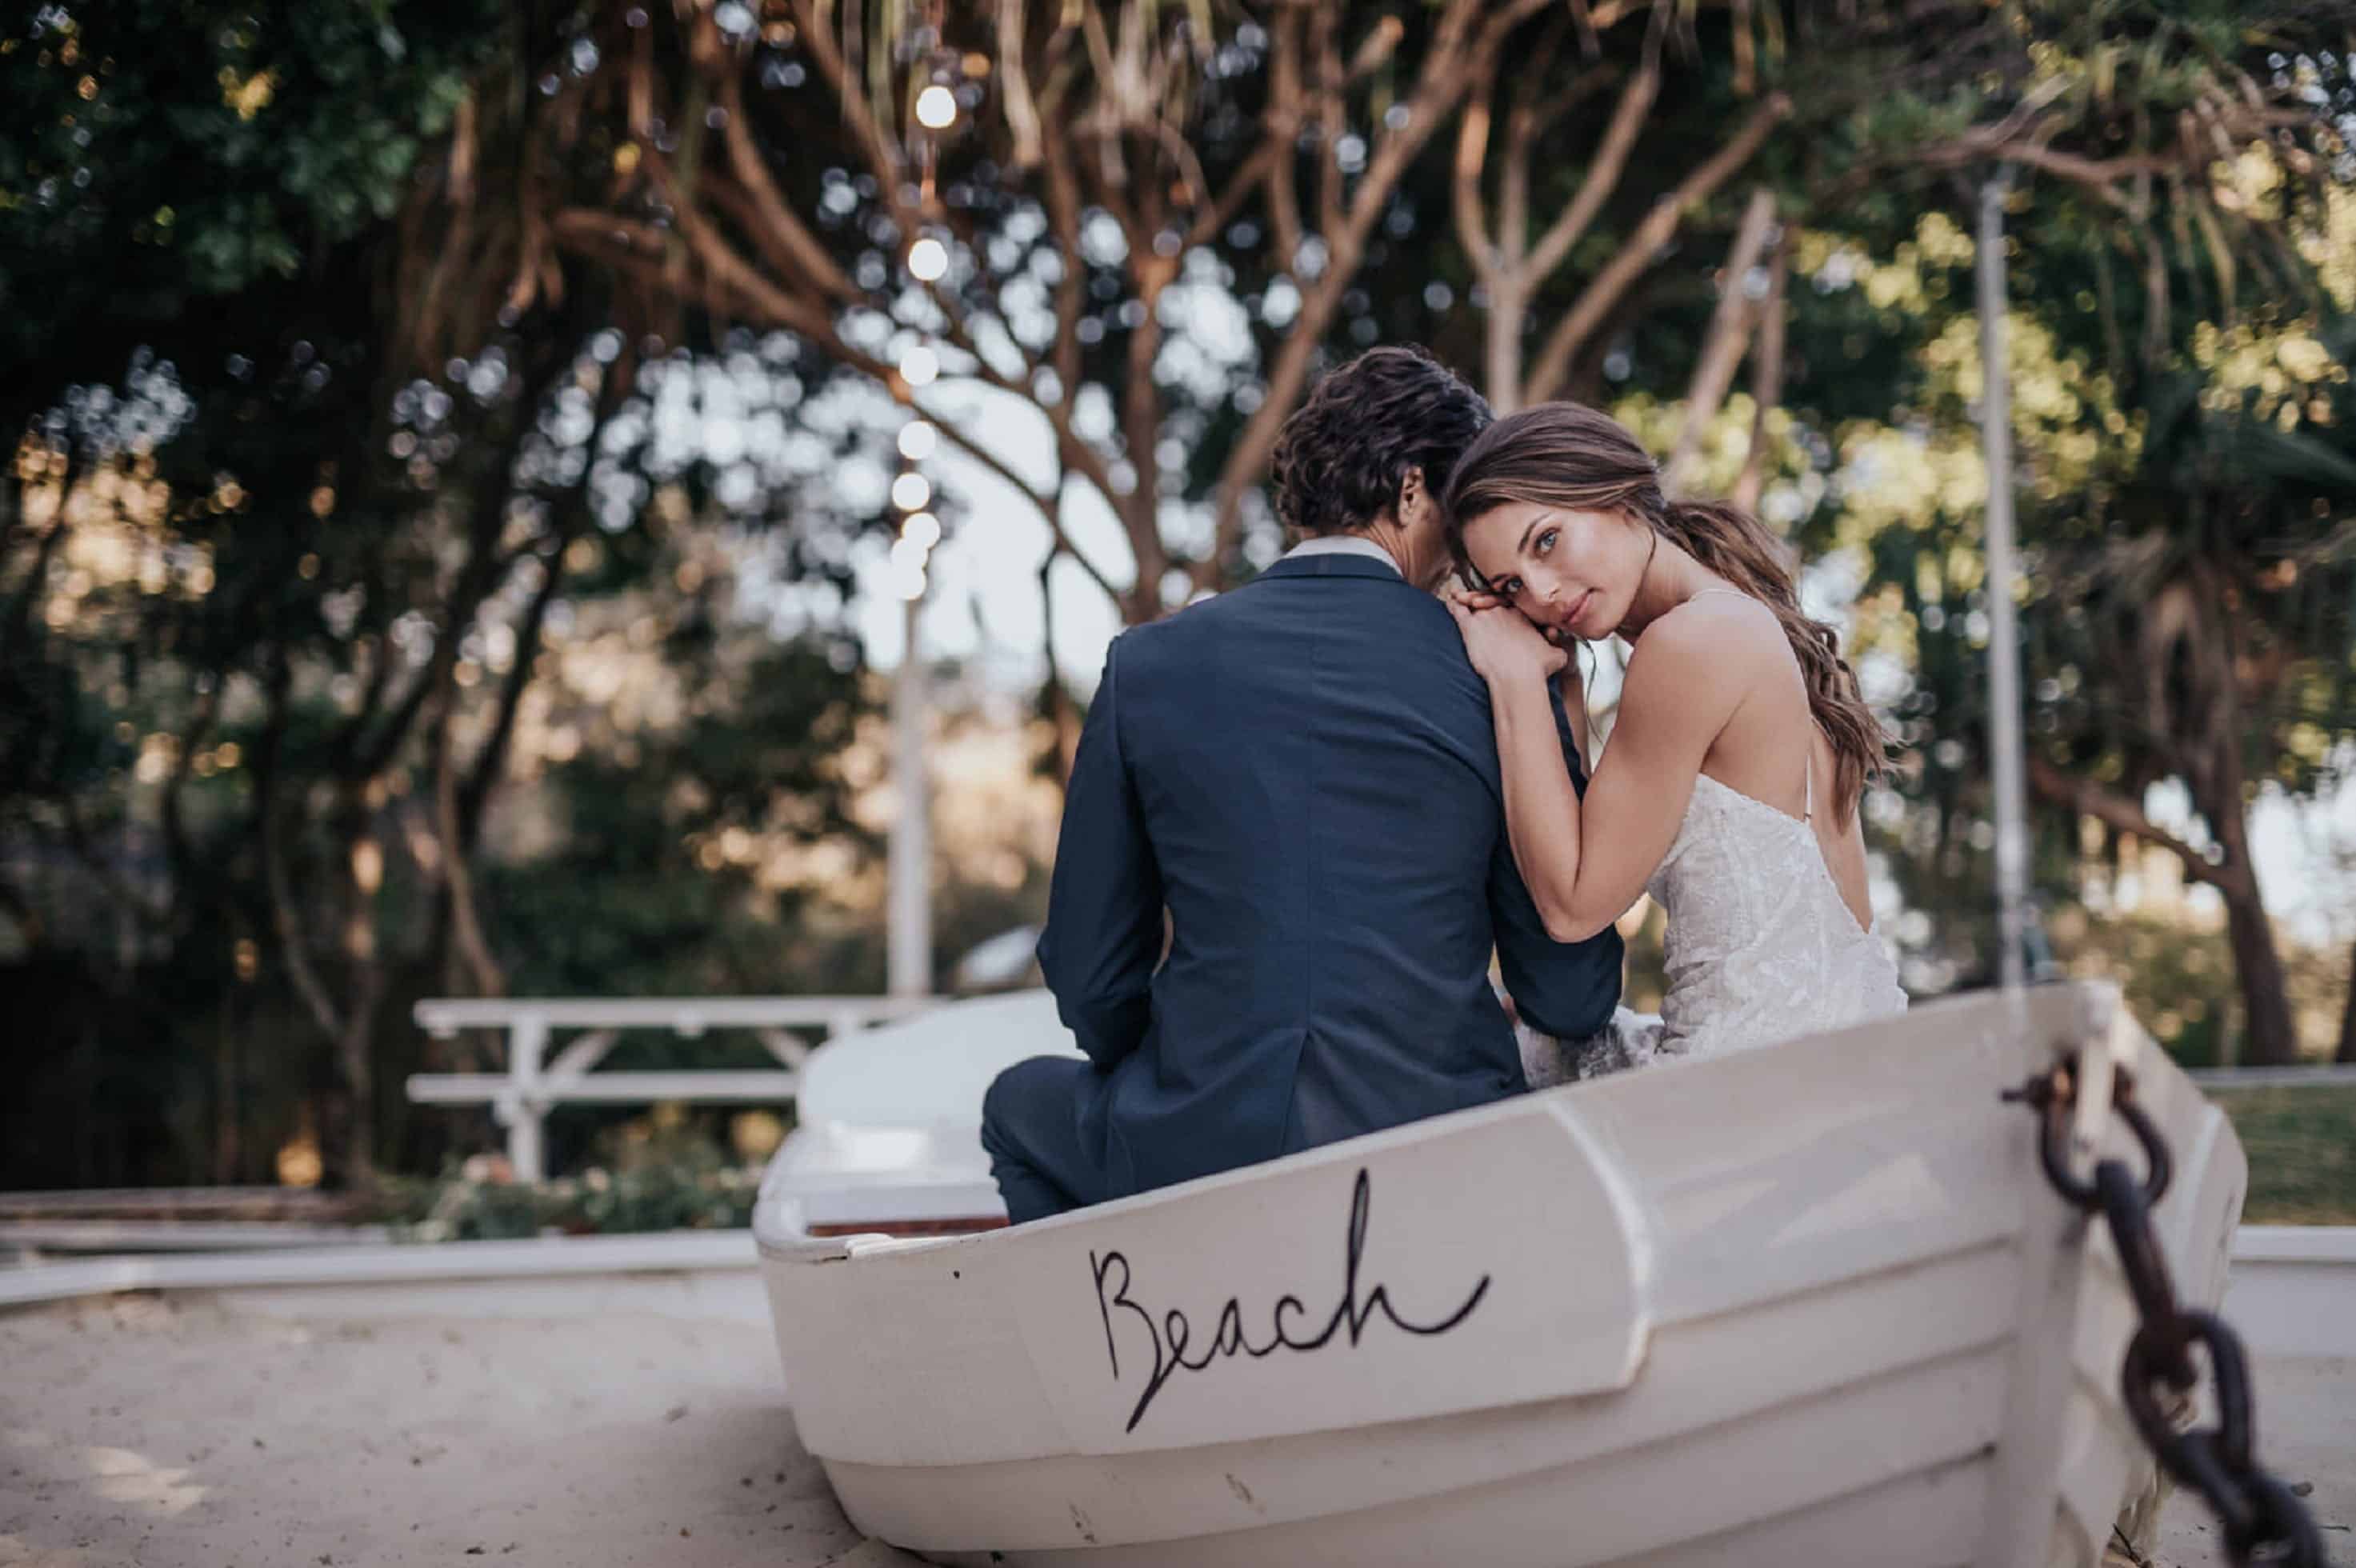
[1730, 788]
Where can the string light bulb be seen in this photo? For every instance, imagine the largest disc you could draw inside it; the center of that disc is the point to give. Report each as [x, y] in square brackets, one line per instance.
[919, 366]
[937, 108]
[928, 259]
[922, 529]
[917, 440]
[910, 492]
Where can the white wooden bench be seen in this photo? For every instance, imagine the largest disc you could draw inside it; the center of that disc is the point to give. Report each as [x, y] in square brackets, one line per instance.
[520, 1097]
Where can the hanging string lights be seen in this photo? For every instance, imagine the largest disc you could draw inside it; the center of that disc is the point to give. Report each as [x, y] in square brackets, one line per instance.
[911, 492]
[934, 73]
[919, 531]
[919, 366]
[928, 259]
[937, 107]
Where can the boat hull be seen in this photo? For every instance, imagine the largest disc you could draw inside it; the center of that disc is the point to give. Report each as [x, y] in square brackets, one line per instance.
[1813, 1304]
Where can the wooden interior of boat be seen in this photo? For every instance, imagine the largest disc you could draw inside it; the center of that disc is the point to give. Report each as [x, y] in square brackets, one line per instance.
[967, 1226]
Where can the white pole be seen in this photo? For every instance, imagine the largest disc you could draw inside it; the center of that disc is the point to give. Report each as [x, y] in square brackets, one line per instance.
[909, 915]
[526, 1155]
[2005, 764]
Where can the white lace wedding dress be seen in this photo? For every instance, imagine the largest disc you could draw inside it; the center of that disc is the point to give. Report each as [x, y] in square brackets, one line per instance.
[1761, 946]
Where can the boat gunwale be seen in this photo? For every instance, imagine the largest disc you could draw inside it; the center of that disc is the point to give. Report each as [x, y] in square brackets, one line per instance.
[799, 1246]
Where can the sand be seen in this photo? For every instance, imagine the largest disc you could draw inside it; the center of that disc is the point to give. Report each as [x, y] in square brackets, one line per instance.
[2306, 1428]
[176, 1433]
[196, 1431]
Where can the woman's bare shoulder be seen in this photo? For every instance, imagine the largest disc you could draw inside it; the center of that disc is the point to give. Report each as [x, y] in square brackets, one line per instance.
[1710, 627]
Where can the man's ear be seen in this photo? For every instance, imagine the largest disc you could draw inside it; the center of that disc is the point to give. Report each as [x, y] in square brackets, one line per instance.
[1414, 497]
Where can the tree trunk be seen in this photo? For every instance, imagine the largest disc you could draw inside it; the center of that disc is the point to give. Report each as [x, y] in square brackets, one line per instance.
[2347, 1052]
[228, 1108]
[1501, 325]
[353, 1155]
[2272, 1041]
[2257, 964]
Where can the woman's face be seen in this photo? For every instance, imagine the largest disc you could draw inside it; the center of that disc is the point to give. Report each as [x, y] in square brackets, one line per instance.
[1574, 572]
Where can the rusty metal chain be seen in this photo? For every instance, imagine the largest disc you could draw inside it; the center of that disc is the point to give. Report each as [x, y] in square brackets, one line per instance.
[2263, 1521]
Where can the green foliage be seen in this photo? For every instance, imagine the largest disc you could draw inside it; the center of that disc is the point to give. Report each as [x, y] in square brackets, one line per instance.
[159, 153]
[2180, 358]
[621, 904]
[647, 1177]
[2301, 1144]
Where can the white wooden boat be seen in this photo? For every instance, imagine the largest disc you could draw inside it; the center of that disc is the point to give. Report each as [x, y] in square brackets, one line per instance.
[1811, 1304]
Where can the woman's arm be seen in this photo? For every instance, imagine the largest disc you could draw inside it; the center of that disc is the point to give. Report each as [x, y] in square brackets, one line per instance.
[1586, 861]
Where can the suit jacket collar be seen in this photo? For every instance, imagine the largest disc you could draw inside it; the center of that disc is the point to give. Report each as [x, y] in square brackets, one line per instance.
[1333, 565]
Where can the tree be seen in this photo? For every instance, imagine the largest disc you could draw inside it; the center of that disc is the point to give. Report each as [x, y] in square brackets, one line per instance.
[162, 157]
[272, 603]
[1119, 143]
[2208, 626]
[2189, 573]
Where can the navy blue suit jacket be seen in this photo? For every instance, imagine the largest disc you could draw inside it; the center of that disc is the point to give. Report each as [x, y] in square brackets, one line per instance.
[1304, 772]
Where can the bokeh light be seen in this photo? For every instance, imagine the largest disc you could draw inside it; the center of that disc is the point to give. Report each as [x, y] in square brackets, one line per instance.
[937, 108]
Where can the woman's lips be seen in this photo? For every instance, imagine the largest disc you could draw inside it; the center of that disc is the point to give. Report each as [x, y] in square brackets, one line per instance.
[1578, 608]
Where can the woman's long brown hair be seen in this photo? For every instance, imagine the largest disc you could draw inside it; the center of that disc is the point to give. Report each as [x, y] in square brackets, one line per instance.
[1565, 454]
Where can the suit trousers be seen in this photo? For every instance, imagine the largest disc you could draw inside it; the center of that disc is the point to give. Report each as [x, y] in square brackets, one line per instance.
[1031, 1129]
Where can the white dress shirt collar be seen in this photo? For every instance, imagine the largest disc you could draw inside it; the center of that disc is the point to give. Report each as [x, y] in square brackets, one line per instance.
[1343, 544]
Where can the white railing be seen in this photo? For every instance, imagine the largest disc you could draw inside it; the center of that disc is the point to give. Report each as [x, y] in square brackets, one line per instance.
[2309, 1076]
[520, 1097]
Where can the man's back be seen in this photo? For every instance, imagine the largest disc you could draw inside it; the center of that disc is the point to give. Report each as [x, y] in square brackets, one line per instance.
[1304, 772]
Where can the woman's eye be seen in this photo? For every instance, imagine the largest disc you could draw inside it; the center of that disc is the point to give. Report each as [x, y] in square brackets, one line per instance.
[1546, 540]
[1509, 589]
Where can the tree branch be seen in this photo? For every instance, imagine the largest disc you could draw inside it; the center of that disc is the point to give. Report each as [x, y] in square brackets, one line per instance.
[816, 33]
[2123, 815]
[1281, 128]
[784, 239]
[1331, 111]
[1766, 373]
[175, 818]
[457, 877]
[1722, 347]
[1064, 223]
[1014, 87]
[1610, 161]
[1451, 64]
[284, 922]
[475, 793]
[1637, 254]
[1472, 156]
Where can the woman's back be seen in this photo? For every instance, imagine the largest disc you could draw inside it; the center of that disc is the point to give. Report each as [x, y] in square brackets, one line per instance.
[1763, 942]
[1760, 945]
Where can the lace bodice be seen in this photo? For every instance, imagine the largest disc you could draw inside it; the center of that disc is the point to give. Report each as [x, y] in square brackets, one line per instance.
[1761, 946]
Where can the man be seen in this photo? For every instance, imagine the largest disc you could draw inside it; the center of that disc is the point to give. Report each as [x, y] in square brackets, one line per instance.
[1303, 773]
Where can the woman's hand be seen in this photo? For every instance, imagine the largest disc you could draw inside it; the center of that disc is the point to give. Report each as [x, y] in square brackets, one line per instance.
[1502, 644]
